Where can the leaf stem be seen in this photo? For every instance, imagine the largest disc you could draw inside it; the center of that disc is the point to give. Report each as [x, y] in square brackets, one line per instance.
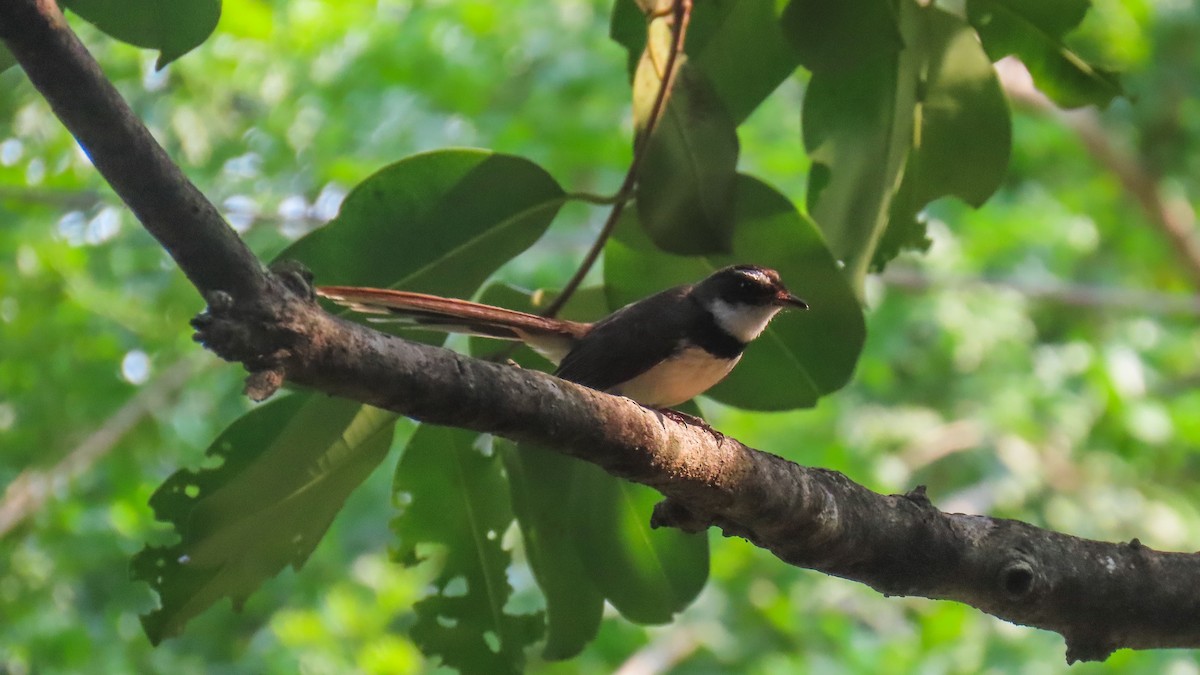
[593, 198]
[682, 12]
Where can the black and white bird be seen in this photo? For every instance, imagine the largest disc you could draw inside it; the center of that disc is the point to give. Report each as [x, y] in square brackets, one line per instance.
[659, 351]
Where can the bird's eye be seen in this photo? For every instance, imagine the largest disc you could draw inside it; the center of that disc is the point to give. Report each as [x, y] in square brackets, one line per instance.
[745, 285]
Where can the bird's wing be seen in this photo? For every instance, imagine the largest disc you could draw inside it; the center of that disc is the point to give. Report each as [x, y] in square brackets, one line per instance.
[552, 337]
[624, 345]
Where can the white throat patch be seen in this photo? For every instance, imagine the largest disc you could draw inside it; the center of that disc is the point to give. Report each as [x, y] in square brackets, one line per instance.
[744, 322]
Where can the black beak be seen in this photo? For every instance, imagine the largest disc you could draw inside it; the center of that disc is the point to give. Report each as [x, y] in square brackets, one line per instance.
[787, 300]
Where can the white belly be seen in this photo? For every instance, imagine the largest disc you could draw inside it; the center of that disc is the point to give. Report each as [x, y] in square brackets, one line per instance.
[690, 373]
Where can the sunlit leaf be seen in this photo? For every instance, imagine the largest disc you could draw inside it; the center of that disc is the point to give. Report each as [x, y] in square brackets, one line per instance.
[858, 129]
[963, 137]
[1034, 32]
[926, 122]
[802, 355]
[452, 494]
[286, 469]
[438, 222]
[174, 27]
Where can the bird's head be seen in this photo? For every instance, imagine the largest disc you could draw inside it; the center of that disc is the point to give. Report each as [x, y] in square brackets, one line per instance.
[744, 298]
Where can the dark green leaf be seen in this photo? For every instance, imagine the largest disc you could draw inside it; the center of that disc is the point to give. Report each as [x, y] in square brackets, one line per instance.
[1033, 31]
[438, 222]
[452, 494]
[840, 35]
[964, 134]
[899, 132]
[858, 129]
[627, 27]
[687, 177]
[541, 483]
[647, 574]
[174, 27]
[739, 45]
[6, 59]
[287, 468]
[802, 355]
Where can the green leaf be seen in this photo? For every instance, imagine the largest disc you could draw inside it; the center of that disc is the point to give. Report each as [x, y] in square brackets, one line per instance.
[627, 27]
[287, 467]
[858, 129]
[452, 494]
[174, 27]
[802, 355]
[1033, 31]
[840, 35]
[716, 44]
[964, 132]
[687, 176]
[438, 222]
[647, 574]
[899, 132]
[541, 483]
[741, 48]
[6, 59]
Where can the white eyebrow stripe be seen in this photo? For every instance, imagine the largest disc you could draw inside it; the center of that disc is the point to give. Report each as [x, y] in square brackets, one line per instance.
[757, 275]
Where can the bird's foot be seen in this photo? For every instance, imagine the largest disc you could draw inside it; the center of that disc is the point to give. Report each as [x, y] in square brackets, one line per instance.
[684, 418]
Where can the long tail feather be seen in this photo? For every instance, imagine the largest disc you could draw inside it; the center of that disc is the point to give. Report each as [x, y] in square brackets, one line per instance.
[552, 337]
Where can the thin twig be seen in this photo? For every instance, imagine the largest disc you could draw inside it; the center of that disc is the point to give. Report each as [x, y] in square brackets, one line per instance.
[682, 10]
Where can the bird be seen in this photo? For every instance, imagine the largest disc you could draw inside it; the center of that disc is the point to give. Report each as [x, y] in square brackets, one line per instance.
[660, 351]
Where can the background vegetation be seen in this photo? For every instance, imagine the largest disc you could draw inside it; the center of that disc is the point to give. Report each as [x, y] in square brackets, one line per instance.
[1038, 362]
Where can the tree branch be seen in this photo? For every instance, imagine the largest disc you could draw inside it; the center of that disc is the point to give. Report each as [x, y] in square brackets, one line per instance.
[1099, 596]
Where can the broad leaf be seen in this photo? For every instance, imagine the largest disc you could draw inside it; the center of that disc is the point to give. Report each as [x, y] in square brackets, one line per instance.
[964, 133]
[452, 494]
[687, 175]
[899, 132]
[647, 574]
[741, 48]
[858, 129]
[6, 59]
[287, 467]
[438, 222]
[541, 483]
[1033, 30]
[718, 28]
[840, 35]
[174, 27]
[802, 355]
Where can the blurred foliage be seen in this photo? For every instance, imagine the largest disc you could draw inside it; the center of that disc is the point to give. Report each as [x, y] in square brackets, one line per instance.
[1079, 417]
